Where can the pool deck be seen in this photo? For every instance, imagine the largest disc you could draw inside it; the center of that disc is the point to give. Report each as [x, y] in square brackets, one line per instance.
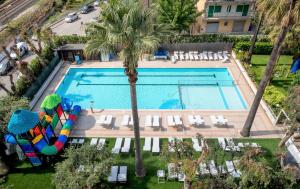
[86, 125]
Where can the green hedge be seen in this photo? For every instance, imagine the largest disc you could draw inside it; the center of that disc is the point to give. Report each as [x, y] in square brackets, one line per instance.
[260, 47]
[35, 86]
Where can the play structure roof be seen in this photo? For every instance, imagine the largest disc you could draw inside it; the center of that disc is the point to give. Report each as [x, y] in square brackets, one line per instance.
[51, 101]
[22, 121]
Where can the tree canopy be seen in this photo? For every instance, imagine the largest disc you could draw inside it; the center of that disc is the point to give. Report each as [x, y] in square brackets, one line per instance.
[180, 14]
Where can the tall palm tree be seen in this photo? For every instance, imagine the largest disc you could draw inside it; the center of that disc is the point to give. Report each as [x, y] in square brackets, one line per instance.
[286, 12]
[129, 27]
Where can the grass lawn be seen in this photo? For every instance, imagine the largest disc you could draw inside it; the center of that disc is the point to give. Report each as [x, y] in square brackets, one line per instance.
[24, 176]
[281, 71]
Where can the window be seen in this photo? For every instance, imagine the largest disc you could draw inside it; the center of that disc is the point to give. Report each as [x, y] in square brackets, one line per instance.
[225, 23]
[212, 9]
[239, 8]
[243, 9]
[218, 8]
[229, 8]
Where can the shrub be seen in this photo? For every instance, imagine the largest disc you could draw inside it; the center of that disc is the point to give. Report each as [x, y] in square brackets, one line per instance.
[35, 66]
[47, 53]
[21, 85]
[260, 47]
[274, 97]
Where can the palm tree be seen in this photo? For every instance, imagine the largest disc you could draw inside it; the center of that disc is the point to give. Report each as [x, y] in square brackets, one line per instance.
[128, 26]
[286, 12]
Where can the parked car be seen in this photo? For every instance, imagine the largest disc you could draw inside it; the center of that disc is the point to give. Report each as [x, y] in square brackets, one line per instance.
[86, 9]
[96, 3]
[4, 64]
[22, 48]
[71, 17]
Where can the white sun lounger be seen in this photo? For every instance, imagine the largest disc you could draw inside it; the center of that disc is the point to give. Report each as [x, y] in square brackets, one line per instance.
[155, 146]
[205, 57]
[222, 120]
[199, 120]
[196, 57]
[216, 57]
[203, 169]
[156, 122]
[186, 56]
[222, 169]
[178, 120]
[200, 56]
[125, 120]
[214, 120]
[225, 59]
[101, 119]
[181, 56]
[130, 122]
[210, 56]
[222, 143]
[171, 121]
[213, 168]
[94, 141]
[220, 55]
[101, 143]
[231, 170]
[196, 145]
[172, 173]
[148, 121]
[122, 176]
[171, 143]
[147, 144]
[191, 55]
[108, 120]
[117, 146]
[192, 120]
[126, 145]
[113, 174]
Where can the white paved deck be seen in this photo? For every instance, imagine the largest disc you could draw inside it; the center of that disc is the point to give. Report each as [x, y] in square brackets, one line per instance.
[87, 127]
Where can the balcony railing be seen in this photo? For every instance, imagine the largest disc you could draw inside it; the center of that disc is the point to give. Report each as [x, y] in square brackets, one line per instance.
[228, 14]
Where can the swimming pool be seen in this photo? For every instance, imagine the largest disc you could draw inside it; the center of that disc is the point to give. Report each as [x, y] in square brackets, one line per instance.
[157, 88]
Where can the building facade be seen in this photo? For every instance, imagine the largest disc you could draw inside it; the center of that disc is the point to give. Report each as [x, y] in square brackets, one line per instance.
[224, 16]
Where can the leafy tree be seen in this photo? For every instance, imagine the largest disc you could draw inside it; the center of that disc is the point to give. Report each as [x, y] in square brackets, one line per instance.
[128, 26]
[84, 167]
[180, 14]
[286, 13]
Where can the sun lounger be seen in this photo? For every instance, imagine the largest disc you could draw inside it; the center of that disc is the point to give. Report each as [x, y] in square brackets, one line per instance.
[220, 55]
[80, 141]
[178, 121]
[191, 55]
[113, 174]
[214, 120]
[205, 57]
[122, 176]
[216, 57]
[126, 145]
[117, 146]
[210, 56]
[222, 143]
[130, 124]
[222, 169]
[172, 173]
[171, 143]
[241, 145]
[171, 122]
[125, 121]
[196, 145]
[101, 119]
[108, 120]
[147, 144]
[192, 120]
[222, 120]
[196, 56]
[213, 168]
[203, 169]
[199, 120]
[225, 59]
[173, 59]
[187, 56]
[94, 141]
[101, 143]
[148, 121]
[155, 146]
[231, 170]
[156, 122]
[181, 56]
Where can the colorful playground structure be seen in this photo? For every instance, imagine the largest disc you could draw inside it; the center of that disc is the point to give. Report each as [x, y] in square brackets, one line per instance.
[34, 132]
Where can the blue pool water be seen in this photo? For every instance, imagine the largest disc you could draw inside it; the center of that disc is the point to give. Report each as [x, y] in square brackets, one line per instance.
[157, 88]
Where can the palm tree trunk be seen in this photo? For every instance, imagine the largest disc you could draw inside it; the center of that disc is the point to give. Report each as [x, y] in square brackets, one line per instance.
[12, 62]
[5, 89]
[34, 49]
[268, 74]
[132, 77]
[12, 84]
[254, 38]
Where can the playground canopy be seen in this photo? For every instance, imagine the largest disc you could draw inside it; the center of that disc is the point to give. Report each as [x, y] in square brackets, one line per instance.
[22, 121]
[51, 101]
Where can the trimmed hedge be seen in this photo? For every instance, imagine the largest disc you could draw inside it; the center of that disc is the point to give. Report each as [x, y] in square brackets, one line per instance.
[260, 47]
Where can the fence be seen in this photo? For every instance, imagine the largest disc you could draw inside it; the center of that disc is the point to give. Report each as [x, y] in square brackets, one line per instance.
[35, 86]
[214, 47]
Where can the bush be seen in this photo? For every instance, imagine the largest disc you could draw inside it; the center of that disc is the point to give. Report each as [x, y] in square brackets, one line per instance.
[61, 40]
[35, 66]
[274, 97]
[260, 47]
[22, 85]
[47, 53]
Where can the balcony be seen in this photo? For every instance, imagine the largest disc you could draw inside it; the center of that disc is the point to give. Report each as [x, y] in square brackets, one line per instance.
[227, 15]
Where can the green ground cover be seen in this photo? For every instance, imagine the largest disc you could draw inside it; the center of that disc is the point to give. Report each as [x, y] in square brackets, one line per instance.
[24, 176]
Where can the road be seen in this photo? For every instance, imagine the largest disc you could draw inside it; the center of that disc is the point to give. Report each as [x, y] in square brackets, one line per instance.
[75, 28]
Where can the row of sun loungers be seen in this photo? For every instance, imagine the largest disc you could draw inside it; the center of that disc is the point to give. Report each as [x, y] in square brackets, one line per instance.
[149, 146]
[118, 146]
[194, 55]
[172, 120]
[76, 141]
[227, 144]
[99, 142]
[118, 175]
[211, 169]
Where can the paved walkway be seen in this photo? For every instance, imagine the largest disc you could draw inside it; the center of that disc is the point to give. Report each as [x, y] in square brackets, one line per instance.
[87, 127]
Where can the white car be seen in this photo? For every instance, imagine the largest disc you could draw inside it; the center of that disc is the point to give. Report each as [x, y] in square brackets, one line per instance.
[22, 48]
[71, 17]
[96, 3]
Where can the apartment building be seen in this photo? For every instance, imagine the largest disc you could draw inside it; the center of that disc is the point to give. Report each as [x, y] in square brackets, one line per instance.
[224, 16]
